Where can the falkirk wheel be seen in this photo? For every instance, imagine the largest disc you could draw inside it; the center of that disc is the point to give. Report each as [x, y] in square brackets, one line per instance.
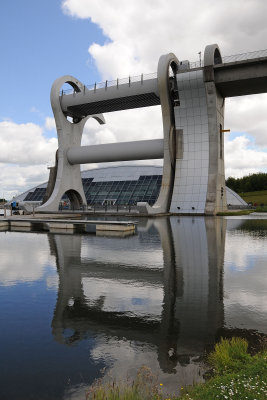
[192, 107]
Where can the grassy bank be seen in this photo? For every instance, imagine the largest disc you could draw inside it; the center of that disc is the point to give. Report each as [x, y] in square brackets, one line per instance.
[144, 387]
[243, 212]
[255, 198]
[236, 212]
[236, 375]
[259, 197]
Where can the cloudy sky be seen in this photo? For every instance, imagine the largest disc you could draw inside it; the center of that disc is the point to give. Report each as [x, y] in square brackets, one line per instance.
[95, 40]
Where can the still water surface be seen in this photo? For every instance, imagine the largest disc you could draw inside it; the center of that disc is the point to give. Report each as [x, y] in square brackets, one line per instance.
[77, 307]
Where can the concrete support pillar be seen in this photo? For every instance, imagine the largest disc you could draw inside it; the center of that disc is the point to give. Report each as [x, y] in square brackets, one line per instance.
[216, 192]
[199, 184]
[167, 95]
[68, 177]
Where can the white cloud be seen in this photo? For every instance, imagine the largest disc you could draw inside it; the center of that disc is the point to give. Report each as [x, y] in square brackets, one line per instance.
[15, 179]
[13, 255]
[244, 155]
[125, 126]
[247, 115]
[141, 31]
[24, 155]
[25, 144]
[50, 123]
[245, 294]
[241, 160]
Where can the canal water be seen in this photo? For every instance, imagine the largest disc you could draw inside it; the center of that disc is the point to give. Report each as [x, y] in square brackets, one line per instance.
[79, 307]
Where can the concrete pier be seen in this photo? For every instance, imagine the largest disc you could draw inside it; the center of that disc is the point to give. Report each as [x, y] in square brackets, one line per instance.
[21, 223]
[67, 225]
[4, 225]
[115, 228]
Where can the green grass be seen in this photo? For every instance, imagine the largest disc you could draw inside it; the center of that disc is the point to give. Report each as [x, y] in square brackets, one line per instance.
[249, 385]
[144, 387]
[258, 197]
[237, 375]
[239, 212]
[261, 209]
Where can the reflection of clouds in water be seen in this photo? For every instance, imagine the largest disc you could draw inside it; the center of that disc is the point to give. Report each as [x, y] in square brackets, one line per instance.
[239, 312]
[245, 280]
[126, 357]
[124, 252]
[52, 282]
[76, 392]
[256, 303]
[23, 257]
[241, 251]
[122, 296]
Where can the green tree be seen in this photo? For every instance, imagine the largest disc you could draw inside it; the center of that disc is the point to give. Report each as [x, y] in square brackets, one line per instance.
[249, 183]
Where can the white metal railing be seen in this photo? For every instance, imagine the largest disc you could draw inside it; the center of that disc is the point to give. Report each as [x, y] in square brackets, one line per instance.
[185, 67]
[245, 56]
[129, 80]
[234, 58]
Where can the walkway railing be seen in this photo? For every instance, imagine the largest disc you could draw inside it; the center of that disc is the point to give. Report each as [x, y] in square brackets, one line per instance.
[245, 56]
[185, 67]
[117, 82]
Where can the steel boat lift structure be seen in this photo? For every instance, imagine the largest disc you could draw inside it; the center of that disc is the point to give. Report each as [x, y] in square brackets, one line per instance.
[192, 107]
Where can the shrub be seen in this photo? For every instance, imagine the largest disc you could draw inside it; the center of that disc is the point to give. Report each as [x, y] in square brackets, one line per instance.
[144, 387]
[229, 355]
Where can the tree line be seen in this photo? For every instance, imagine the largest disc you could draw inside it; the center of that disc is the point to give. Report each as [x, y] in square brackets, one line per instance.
[250, 183]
